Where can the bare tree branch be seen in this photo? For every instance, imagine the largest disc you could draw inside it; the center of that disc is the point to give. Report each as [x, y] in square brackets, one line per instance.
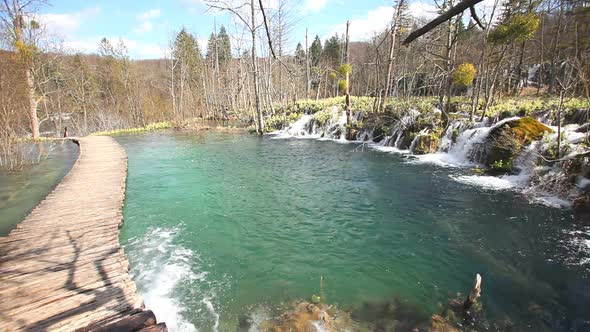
[456, 10]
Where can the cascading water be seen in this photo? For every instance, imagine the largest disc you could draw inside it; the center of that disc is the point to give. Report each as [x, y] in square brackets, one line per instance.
[423, 132]
[463, 144]
[300, 127]
[469, 147]
[308, 127]
[399, 129]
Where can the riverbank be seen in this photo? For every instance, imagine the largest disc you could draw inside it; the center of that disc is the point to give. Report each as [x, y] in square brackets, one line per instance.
[509, 150]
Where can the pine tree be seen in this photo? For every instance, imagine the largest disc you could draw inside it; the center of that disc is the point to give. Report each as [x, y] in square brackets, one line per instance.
[332, 52]
[224, 46]
[212, 47]
[300, 54]
[186, 56]
[315, 51]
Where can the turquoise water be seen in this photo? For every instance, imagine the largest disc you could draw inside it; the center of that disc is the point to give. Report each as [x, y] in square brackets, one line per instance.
[22, 190]
[222, 228]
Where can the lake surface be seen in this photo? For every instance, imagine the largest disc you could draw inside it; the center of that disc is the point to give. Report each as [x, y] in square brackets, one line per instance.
[222, 228]
[22, 190]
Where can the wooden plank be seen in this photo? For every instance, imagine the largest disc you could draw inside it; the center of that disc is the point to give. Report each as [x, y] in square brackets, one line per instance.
[62, 268]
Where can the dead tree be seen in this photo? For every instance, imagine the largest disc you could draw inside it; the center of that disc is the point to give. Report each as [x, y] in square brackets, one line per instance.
[453, 11]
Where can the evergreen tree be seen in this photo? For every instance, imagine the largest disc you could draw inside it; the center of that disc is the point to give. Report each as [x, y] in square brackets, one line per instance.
[333, 52]
[300, 54]
[212, 47]
[186, 51]
[186, 56]
[315, 51]
[224, 46]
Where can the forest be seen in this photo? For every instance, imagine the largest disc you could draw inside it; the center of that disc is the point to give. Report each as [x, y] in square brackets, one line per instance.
[458, 151]
[535, 49]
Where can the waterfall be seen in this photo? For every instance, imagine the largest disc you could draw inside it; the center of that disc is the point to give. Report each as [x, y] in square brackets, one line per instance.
[447, 140]
[298, 128]
[415, 140]
[470, 143]
[463, 144]
[365, 134]
[308, 127]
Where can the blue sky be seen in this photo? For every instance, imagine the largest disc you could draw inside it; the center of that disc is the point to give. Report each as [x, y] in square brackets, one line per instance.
[147, 26]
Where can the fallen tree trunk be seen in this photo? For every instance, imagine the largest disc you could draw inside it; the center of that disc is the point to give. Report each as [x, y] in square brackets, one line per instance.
[474, 294]
[456, 10]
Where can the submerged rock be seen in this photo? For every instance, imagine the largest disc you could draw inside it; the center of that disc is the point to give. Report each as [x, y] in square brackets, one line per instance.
[304, 317]
[504, 143]
[439, 324]
[583, 128]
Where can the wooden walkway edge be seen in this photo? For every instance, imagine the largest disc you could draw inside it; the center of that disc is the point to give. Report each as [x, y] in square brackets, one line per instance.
[62, 268]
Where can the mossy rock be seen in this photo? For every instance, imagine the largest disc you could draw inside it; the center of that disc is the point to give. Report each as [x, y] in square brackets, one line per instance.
[439, 324]
[504, 143]
[407, 140]
[379, 133]
[426, 144]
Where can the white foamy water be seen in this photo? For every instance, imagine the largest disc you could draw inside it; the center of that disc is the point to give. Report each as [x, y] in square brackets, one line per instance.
[297, 129]
[579, 242]
[486, 182]
[160, 267]
[334, 129]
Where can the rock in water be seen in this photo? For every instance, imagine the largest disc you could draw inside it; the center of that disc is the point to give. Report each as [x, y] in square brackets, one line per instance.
[439, 324]
[504, 143]
[425, 143]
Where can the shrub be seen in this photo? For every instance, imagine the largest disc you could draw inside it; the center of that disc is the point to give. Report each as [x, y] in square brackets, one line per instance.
[345, 69]
[464, 74]
[342, 85]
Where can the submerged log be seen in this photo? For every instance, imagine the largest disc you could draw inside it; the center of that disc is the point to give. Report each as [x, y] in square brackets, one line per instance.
[474, 294]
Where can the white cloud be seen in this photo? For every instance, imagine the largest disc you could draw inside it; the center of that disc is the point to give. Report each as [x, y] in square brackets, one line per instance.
[485, 8]
[363, 28]
[144, 27]
[64, 24]
[378, 19]
[313, 6]
[152, 13]
[137, 50]
[145, 19]
[423, 10]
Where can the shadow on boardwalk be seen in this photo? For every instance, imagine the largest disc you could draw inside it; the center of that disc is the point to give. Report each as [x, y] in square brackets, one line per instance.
[62, 268]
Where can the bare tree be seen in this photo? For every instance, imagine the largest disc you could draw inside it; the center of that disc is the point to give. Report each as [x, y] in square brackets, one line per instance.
[13, 16]
[250, 23]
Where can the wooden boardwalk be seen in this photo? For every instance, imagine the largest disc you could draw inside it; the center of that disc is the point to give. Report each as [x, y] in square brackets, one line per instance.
[62, 268]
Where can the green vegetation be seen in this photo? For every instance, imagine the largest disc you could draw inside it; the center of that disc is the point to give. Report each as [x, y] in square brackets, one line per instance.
[345, 69]
[150, 127]
[504, 108]
[501, 165]
[464, 74]
[517, 28]
[323, 116]
[427, 143]
[342, 85]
